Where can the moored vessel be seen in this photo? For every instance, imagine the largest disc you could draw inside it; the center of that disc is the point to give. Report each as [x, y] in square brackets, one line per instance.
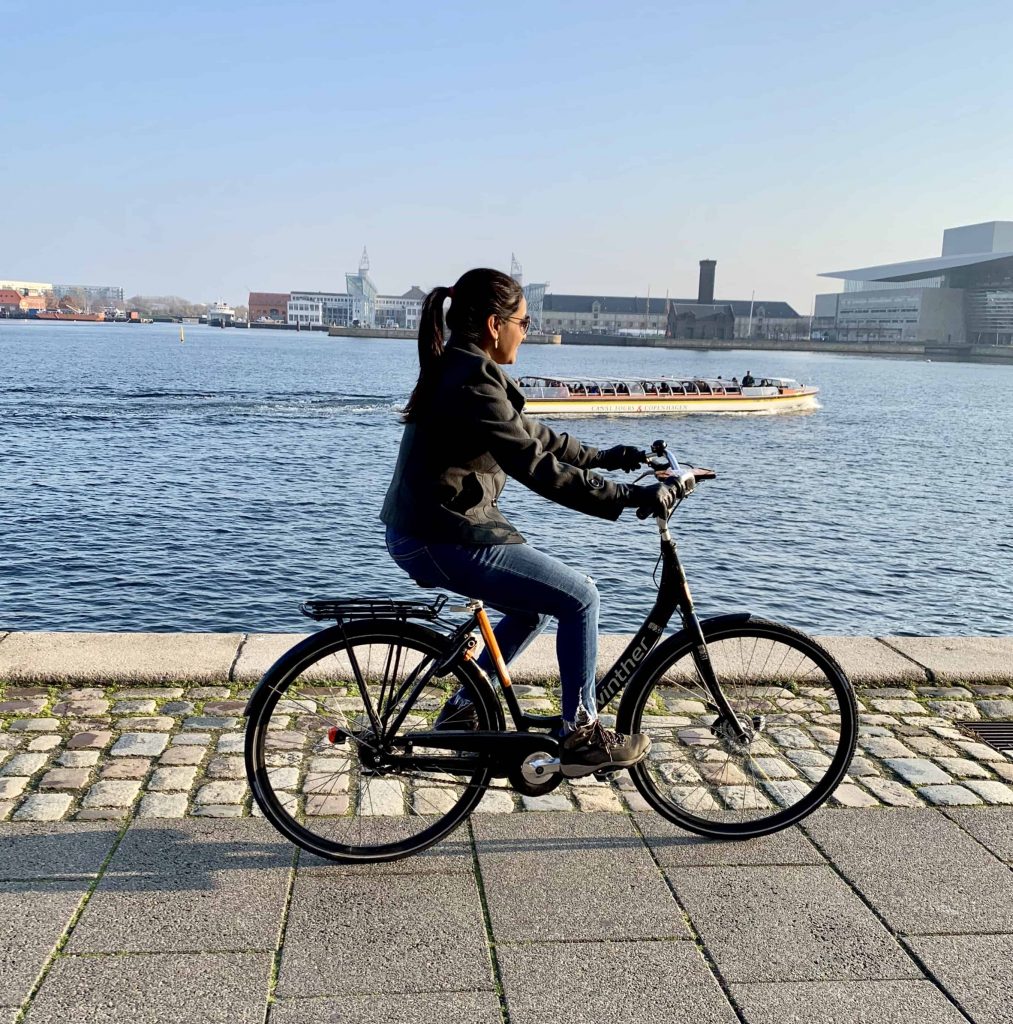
[639, 396]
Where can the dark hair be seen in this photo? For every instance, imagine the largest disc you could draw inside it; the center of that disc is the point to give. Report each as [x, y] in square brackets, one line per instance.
[476, 296]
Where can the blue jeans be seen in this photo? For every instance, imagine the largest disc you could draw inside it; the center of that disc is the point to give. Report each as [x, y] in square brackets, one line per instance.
[527, 587]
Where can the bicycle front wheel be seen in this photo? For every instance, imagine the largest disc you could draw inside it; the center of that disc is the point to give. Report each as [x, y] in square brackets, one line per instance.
[325, 745]
[789, 696]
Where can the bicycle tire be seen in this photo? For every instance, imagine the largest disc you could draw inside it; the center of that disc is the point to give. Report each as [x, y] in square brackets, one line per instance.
[795, 696]
[313, 788]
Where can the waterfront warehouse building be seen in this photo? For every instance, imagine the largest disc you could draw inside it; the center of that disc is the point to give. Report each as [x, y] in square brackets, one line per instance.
[702, 317]
[26, 288]
[268, 306]
[964, 296]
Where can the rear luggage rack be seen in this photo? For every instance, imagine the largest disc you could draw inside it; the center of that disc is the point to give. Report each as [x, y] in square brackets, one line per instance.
[343, 608]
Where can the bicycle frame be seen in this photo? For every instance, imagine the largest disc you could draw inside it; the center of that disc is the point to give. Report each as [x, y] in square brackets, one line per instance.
[673, 595]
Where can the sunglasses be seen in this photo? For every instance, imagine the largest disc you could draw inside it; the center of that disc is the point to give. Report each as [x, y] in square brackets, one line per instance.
[524, 321]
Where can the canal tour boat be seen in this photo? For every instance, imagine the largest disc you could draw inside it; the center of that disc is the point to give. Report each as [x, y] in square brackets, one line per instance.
[639, 396]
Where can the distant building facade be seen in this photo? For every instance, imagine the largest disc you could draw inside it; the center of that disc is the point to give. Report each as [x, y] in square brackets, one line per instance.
[95, 296]
[13, 302]
[963, 296]
[401, 311]
[696, 320]
[268, 306]
[313, 309]
[25, 288]
[612, 314]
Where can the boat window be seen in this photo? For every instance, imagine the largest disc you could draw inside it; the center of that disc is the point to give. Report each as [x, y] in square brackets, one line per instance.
[608, 389]
[703, 387]
[678, 389]
[622, 389]
[636, 389]
[650, 388]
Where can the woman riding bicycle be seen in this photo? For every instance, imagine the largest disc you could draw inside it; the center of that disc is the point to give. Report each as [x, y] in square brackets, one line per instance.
[465, 432]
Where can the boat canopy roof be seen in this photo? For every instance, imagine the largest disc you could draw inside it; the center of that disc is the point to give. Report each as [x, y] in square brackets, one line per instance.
[552, 380]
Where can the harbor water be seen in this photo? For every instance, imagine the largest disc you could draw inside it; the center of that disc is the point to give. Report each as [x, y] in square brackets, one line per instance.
[215, 484]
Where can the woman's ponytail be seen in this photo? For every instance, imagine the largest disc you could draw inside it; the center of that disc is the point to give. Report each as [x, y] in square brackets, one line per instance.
[430, 345]
[476, 296]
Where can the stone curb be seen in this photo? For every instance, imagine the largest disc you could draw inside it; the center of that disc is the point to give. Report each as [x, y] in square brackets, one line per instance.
[146, 658]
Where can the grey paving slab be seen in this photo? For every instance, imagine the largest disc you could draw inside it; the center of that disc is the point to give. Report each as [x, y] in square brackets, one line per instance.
[260, 652]
[867, 661]
[54, 849]
[843, 1002]
[452, 855]
[572, 876]
[977, 659]
[117, 657]
[618, 982]
[420, 1008]
[9, 1014]
[991, 826]
[33, 916]
[977, 970]
[190, 884]
[920, 870]
[355, 933]
[204, 988]
[787, 924]
[674, 847]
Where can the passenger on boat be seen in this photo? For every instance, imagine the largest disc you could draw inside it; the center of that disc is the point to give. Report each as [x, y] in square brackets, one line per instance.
[748, 381]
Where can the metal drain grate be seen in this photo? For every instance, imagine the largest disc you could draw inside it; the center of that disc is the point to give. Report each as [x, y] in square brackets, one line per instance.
[995, 734]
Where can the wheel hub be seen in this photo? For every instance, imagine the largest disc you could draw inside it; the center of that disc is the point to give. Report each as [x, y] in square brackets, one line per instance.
[725, 730]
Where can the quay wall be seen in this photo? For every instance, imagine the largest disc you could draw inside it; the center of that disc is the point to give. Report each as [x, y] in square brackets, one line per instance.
[149, 658]
[963, 353]
[401, 332]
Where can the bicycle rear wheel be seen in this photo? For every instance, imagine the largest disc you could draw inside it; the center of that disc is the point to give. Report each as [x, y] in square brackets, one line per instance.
[318, 764]
[789, 695]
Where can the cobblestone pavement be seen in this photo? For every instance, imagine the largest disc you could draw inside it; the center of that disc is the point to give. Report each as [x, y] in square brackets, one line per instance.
[110, 753]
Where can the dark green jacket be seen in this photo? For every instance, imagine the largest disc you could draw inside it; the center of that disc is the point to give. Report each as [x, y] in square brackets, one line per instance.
[469, 434]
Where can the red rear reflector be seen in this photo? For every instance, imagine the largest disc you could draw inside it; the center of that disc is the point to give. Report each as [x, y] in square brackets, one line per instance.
[332, 734]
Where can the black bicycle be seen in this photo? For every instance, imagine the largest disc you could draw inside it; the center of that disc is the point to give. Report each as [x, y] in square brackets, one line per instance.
[753, 724]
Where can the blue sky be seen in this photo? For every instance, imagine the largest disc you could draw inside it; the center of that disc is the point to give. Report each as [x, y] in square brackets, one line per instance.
[209, 149]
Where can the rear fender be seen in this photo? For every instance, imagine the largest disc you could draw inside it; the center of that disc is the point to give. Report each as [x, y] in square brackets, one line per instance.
[307, 649]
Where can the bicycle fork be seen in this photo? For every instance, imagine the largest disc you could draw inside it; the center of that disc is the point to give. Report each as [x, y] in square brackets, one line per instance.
[727, 725]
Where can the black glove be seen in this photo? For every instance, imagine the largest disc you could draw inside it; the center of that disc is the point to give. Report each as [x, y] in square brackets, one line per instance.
[622, 456]
[651, 499]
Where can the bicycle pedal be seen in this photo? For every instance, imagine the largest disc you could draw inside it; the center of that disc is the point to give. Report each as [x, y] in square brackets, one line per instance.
[603, 776]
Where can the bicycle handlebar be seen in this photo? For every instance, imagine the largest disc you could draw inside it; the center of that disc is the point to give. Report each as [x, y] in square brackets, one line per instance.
[669, 472]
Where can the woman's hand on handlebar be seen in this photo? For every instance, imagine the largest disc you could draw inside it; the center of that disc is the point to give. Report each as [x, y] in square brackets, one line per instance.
[623, 456]
[652, 499]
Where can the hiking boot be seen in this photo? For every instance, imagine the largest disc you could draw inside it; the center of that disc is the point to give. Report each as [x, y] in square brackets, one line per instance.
[592, 748]
[457, 714]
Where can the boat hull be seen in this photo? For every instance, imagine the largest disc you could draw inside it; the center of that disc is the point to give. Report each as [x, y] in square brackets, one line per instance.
[596, 405]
